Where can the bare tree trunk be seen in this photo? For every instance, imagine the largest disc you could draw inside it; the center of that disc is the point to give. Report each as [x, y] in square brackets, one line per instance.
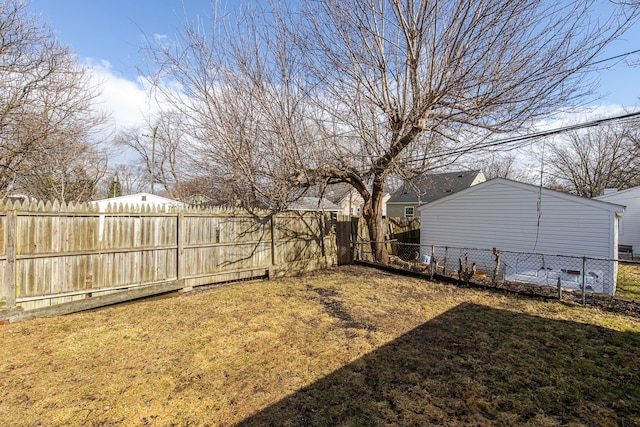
[376, 234]
[372, 213]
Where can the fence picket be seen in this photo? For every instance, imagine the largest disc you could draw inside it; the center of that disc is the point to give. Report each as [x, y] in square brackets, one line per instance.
[9, 282]
[75, 251]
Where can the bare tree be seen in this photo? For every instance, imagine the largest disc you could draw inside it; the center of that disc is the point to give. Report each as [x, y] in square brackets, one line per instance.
[161, 145]
[46, 97]
[588, 161]
[342, 90]
[67, 171]
[509, 165]
[215, 190]
[247, 103]
[133, 179]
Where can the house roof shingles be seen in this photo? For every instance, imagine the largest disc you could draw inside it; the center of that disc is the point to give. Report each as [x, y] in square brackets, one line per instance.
[314, 204]
[332, 192]
[427, 188]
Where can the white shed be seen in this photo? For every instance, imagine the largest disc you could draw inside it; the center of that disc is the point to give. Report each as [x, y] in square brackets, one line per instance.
[629, 229]
[520, 220]
[139, 199]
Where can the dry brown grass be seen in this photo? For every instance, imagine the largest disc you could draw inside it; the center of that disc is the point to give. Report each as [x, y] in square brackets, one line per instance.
[352, 346]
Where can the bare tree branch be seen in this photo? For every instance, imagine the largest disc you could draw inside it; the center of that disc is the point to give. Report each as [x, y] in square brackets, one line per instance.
[587, 162]
[46, 97]
[354, 90]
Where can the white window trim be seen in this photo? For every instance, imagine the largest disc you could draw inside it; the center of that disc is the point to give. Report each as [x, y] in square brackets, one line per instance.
[406, 213]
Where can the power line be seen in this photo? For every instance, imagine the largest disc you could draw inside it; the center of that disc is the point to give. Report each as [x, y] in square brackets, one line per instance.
[615, 57]
[521, 140]
[534, 136]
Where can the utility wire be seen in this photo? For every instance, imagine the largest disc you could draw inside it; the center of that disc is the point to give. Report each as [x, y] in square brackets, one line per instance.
[533, 136]
[615, 57]
[541, 134]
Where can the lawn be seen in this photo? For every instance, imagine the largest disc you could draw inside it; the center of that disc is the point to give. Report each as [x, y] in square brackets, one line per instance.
[351, 346]
[628, 281]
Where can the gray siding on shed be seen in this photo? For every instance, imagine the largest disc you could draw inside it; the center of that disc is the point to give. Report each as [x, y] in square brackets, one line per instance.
[629, 229]
[504, 214]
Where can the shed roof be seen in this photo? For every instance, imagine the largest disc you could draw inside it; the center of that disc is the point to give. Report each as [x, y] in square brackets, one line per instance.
[621, 195]
[496, 182]
[140, 199]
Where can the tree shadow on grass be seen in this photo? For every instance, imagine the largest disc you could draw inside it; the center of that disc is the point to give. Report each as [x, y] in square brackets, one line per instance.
[476, 365]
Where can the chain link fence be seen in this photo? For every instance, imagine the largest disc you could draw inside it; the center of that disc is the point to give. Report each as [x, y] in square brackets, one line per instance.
[583, 274]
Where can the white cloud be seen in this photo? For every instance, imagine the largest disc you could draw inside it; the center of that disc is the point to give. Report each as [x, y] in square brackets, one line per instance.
[584, 115]
[160, 37]
[127, 102]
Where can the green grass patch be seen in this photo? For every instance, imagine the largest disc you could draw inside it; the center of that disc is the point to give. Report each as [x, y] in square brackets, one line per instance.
[351, 346]
[628, 285]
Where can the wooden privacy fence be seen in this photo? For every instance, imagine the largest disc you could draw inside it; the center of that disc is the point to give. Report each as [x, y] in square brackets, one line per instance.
[404, 230]
[62, 258]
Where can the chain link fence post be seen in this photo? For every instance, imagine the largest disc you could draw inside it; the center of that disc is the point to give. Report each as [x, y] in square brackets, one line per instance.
[444, 262]
[503, 268]
[559, 289]
[432, 262]
[496, 269]
[584, 280]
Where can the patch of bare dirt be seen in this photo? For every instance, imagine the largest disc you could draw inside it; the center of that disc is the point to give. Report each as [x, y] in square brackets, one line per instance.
[335, 307]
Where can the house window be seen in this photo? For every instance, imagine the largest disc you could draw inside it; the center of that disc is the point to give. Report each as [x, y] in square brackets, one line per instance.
[408, 211]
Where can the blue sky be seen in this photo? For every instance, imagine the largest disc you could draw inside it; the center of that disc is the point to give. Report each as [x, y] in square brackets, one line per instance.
[113, 30]
[109, 33]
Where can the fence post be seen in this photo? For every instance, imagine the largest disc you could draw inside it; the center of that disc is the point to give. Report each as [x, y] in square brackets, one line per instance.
[496, 269]
[559, 289]
[584, 280]
[9, 282]
[444, 263]
[321, 224]
[180, 250]
[272, 226]
[433, 260]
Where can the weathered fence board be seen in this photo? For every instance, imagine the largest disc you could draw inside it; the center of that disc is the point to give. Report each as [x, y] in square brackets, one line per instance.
[52, 253]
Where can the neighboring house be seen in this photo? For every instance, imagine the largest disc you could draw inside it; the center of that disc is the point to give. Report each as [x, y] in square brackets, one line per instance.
[516, 217]
[629, 229]
[140, 199]
[314, 204]
[345, 196]
[198, 200]
[427, 188]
